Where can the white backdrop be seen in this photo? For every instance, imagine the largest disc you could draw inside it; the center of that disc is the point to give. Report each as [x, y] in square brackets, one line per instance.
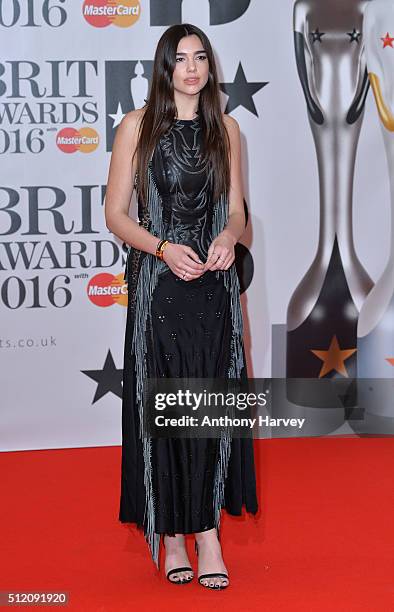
[47, 400]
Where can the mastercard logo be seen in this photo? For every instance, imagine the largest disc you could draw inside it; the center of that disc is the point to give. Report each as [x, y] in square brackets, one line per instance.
[106, 289]
[102, 13]
[84, 140]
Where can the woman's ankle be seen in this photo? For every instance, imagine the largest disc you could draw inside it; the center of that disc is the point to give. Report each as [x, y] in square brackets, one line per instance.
[209, 536]
[174, 540]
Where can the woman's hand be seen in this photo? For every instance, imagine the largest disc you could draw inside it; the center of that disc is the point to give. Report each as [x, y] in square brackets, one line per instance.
[183, 261]
[221, 253]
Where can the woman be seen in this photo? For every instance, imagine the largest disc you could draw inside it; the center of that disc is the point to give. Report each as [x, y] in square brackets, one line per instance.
[184, 318]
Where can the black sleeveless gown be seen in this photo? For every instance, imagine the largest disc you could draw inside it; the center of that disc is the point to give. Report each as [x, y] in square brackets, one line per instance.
[188, 334]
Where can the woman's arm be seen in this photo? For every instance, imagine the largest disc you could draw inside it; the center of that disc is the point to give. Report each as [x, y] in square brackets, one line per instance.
[221, 252]
[120, 187]
[235, 226]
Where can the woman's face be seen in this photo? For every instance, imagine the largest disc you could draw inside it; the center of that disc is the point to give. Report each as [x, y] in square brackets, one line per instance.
[191, 68]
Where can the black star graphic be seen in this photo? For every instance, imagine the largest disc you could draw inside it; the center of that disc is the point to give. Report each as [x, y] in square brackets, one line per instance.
[354, 36]
[241, 92]
[109, 379]
[316, 35]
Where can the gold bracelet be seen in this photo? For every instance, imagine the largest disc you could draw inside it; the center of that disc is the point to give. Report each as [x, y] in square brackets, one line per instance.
[160, 248]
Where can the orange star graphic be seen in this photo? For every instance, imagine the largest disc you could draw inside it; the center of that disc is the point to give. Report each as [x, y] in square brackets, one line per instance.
[390, 360]
[334, 358]
[387, 41]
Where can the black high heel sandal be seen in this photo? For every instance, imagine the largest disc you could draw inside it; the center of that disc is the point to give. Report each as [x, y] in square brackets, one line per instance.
[218, 587]
[179, 569]
[182, 580]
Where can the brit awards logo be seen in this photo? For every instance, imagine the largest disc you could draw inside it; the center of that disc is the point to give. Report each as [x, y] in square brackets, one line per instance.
[36, 98]
[50, 240]
[126, 88]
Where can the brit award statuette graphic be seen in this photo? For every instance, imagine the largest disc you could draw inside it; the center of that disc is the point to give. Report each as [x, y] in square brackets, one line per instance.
[376, 322]
[323, 311]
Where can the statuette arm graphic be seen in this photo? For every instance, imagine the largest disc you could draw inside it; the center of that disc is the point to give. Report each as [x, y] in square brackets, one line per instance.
[304, 63]
[358, 105]
[385, 114]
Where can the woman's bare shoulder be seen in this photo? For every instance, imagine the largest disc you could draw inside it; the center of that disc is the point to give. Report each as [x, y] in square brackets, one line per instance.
[230, 123]
[131, 121]
[231, 126]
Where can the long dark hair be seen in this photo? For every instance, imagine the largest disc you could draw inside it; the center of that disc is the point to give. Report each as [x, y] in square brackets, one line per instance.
[160, 111]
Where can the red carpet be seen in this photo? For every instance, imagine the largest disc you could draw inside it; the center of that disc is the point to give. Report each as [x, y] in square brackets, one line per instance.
[323, 540]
